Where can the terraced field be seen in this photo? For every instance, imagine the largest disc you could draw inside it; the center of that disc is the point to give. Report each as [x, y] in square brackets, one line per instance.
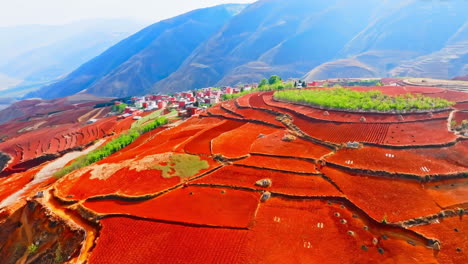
[253, 180]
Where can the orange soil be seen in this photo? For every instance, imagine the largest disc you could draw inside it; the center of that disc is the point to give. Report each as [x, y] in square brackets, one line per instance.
[273, 144]
[451, 232]
[307, 231]
[448, 160]
[191, 205]
[126, 240]
[381, 198]
[237, 142]
[449, 194]
[201, 144]
[419, 133]
[275, 163]
[285, 183]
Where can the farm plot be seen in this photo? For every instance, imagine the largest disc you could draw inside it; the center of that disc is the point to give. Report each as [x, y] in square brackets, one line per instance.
[343, 132]
[273, 144]
[126, 240]
[279, 164]
[201, 144]
[191, 205]
[451, 232]
[388, 90]
[312, 231]
[282, 182]
[243, 101]
[317, 114]
[259, 115]
[461, 106]
[133, 177]
[433, 161]
[237, 142]
[450, 95]
[460, 116]
[218, 111]
[449, 193]
[432, 132]
[384, 199]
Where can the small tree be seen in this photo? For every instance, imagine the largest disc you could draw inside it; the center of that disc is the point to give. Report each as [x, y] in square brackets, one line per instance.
[304, 84]
[263, 82]
[274, 79]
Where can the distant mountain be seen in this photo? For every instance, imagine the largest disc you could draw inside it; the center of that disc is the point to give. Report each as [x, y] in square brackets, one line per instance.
[227, 45]
[415, 38]
[141, 60]
[39, 54]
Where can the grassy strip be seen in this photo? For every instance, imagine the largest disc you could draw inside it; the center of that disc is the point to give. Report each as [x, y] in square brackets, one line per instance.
[113, 146]
[146, 118]
[343, 98]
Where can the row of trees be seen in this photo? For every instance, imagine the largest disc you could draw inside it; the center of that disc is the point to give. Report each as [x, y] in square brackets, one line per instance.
[274, 83]
[113, 146]
[343, 98]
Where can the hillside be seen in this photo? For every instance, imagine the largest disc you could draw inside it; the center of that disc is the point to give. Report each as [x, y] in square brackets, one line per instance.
[144, 58]
[249, 180]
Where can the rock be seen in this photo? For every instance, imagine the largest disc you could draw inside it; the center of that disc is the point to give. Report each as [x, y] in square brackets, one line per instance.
[264, 183]
[265, 196]
[436, 245]
[375, 241]
[288, 138]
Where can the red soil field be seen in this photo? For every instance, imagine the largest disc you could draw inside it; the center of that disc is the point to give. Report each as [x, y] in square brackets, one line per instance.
[276, 163]
[192, 205]
[201, 144]
[259, 115]
[123, 182]
[461, 106]
[451, 232]
[218, 111]
[140, 241]
[243, 101]
[105, 178]
[342, 132]
[419, 133]
[285, 183]
[237, 142]
[273, 144]
[450, 95]
[307, 231]
[424, 89]
[448, 160]
[460, 116]
[450, 193]
[383, 198]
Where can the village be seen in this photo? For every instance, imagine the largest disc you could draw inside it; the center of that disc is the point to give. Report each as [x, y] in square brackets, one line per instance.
[187, 104]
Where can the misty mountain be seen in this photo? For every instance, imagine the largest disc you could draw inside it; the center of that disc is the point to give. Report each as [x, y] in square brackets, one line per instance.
[35, 54]
[296, 38]
[144, 58]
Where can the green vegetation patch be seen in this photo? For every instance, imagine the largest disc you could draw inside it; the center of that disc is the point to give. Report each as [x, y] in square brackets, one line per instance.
[113, 146]
[343, 98]
[182, 165]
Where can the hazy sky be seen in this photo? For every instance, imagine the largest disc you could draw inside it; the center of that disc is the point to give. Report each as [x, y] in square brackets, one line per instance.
[17, 12]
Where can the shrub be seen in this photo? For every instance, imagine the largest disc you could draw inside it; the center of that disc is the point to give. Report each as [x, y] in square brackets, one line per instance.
[343, 98]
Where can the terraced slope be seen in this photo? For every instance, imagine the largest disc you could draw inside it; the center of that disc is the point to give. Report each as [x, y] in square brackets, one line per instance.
[254, 180]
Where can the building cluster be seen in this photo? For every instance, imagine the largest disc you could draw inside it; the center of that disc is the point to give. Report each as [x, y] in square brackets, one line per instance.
[187, 104]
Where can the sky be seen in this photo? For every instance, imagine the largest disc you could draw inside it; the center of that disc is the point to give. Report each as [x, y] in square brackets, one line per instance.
[58, 12]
